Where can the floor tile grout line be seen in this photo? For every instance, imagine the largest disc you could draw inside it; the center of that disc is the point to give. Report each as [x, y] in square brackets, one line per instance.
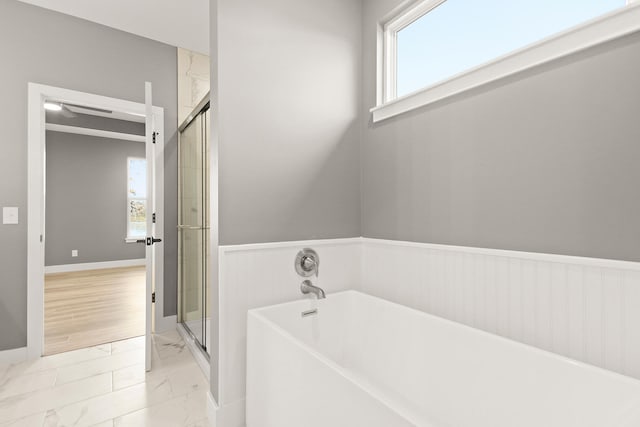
[71, 363]
[8, 423]
[178, 358]
[123, 389]
[57, 372]
[164, 402]
[161, 402]
[38, 360]
[46, 411]
[127, 365]
[9, 380]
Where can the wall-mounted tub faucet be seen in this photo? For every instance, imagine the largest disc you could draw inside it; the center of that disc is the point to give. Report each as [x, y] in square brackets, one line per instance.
[308, 288]
[307, 263]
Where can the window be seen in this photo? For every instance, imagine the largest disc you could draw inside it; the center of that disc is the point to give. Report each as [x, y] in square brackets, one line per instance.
[136, 198]
[435, 42]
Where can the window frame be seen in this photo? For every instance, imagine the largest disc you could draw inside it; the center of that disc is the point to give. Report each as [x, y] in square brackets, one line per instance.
[391, 29]
[129, 238]
[610, 26]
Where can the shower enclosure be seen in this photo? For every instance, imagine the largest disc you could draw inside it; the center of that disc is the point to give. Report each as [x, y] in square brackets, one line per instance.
[193, 223]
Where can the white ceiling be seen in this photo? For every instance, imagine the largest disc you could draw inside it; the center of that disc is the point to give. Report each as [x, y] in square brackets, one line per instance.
[182, 23]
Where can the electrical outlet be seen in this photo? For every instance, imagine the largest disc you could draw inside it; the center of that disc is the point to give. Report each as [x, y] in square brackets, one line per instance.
[74, 253]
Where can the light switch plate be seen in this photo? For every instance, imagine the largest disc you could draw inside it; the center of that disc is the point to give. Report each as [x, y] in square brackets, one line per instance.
[74, 252]
[10, 215]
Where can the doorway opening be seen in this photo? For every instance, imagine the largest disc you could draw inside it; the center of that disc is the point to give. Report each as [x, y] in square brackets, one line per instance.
[99, 288]
[95, 214]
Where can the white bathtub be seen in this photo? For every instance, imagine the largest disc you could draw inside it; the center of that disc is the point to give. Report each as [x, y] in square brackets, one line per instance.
[365, 362]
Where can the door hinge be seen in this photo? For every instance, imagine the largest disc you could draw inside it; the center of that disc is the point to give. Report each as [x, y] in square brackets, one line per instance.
[153, 217]
[154, 134]
[153, 297]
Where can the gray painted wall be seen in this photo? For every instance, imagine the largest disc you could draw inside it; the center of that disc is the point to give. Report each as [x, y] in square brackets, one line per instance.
[86, 199]
[545, 161]
[46, 47]
[286, 131]
[289, 82]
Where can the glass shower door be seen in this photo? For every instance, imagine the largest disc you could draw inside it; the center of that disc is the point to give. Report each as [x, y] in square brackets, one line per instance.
[193, 229]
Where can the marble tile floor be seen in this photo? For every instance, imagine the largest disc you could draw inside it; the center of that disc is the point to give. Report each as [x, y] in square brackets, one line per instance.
[106, 385]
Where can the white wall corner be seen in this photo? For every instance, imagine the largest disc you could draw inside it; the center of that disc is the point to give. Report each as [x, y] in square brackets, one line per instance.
[14, 355]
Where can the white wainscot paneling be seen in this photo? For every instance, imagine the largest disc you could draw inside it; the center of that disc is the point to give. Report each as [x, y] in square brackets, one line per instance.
[263, 274]
[586, 309]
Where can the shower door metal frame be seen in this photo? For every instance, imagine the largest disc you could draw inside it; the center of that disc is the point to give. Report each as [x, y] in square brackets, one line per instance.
[200, 109]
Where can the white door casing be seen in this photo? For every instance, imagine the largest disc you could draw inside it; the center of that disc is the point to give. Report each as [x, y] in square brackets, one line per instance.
[36, 235]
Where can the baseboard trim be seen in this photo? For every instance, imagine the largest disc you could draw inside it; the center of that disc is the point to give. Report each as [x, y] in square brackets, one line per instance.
[232, 414]
[67, 268]
[166, 324]
[14, 355]
[212, 410]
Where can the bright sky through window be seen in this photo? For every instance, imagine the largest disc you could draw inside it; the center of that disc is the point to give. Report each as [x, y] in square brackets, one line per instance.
[138, 178]
[459, 35]
[137, 198]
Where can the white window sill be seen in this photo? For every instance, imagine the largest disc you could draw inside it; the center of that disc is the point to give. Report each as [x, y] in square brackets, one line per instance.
[608, 27]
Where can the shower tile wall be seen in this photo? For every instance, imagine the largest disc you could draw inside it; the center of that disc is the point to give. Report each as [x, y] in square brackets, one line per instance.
[581, 308]
[193, 81]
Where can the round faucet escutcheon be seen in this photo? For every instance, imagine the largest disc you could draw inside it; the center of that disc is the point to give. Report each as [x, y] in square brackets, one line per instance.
[307, 263]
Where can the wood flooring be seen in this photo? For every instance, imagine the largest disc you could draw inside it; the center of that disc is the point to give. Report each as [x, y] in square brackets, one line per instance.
[87, 308]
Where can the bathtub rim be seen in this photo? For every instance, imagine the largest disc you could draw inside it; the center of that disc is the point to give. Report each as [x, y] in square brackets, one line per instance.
[494, 337]
[342, 371]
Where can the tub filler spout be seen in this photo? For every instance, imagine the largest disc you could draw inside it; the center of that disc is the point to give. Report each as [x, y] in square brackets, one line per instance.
[308, 288]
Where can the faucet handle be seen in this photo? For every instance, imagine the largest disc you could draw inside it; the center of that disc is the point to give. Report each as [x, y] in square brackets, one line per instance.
[307, 263]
